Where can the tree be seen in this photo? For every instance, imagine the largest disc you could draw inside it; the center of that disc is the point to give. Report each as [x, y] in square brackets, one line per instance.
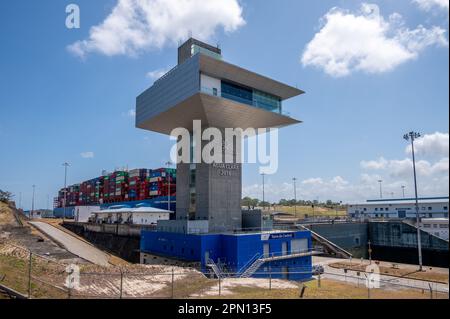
[255, 202]
[246, 201]
[5, 197]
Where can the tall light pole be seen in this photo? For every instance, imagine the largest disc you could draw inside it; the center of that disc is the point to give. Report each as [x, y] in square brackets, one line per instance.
[381, 188]
[32, 203]
[403, 190]
[20, 200]
[263, 178]
[295, 196]
[169, 163]
[65, 188]
[412, 136]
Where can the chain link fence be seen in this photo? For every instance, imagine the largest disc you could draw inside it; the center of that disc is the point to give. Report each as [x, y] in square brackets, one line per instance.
[35, 276]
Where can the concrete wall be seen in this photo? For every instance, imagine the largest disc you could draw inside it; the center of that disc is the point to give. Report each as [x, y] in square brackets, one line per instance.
[352, 237]
[122, 244]
[218, 190]
[399, 234]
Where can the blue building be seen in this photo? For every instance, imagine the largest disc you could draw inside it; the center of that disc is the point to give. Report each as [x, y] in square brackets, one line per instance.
[284, 255]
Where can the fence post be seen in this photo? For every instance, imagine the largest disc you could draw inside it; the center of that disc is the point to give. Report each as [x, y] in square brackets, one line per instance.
[270, 277]
[318, 282]
[121, 283]
[431, 291]
[173, 283]
[220, 286]
[29, 273]
[302, 291]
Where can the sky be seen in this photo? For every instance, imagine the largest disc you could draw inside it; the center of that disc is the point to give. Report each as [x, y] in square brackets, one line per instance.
[371, 71]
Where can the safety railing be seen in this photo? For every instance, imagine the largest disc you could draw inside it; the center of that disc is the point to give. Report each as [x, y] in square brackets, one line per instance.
[254, 103]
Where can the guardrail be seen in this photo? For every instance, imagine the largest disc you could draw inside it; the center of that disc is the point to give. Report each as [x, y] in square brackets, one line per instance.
[254, 103]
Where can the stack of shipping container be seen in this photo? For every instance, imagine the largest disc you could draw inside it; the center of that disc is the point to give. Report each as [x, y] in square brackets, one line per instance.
[90, 191]
[137, 184]
[159, 182]
[120, 186]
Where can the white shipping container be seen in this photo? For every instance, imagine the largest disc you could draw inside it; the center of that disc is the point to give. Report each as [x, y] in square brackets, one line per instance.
[82, 213]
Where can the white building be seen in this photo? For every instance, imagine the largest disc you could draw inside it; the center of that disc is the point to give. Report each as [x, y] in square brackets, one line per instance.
[400, 208]
[134, 216]
[82, 213]
[435, 226]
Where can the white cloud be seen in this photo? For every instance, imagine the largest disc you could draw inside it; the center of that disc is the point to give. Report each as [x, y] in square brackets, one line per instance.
[428, 5]
[87, 155]
[376, 164]
[156, 74]
[403, 168]
[134, 26]
[366, 41]
[436, 145]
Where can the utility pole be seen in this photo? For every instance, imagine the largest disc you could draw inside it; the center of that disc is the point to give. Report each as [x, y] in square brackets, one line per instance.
[412, 136]
[169, 163]
[263, 178]
[65, 188]
[295, 196]
[32, 203]
[381, 188]
[20, 200]
[403, 190]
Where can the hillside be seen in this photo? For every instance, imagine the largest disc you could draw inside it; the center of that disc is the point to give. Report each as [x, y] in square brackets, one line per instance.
[6, 216]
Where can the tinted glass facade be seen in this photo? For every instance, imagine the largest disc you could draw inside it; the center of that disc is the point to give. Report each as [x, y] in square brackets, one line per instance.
[237, 93]
[251, 97]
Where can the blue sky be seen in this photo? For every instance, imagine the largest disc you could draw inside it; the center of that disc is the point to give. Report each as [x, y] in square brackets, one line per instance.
[392, 78]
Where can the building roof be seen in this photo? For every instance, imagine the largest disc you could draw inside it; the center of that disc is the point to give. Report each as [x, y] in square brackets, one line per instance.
[406, 201]
[435, 220]
[227, 71]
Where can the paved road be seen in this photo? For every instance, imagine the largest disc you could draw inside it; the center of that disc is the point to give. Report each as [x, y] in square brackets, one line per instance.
[73, 244]
[386, 282]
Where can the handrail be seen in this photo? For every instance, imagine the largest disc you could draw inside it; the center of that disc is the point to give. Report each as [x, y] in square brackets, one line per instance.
[253, 102]
[248, 264]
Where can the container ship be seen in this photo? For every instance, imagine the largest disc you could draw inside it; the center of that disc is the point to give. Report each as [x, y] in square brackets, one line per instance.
[127, 188]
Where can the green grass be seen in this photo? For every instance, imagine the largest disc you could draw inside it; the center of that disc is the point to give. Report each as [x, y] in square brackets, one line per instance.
[14, 272]
[302, 211]
[329, 289]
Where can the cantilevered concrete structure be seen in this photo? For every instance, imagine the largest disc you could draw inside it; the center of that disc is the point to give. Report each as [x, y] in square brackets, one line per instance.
[222, 95]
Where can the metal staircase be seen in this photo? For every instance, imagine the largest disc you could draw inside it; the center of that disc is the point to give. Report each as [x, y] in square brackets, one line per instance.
[255, 264]
[211, 264]
[253, 268]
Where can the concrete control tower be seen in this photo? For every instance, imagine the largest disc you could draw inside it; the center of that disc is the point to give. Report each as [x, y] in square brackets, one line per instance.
[204, 87]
